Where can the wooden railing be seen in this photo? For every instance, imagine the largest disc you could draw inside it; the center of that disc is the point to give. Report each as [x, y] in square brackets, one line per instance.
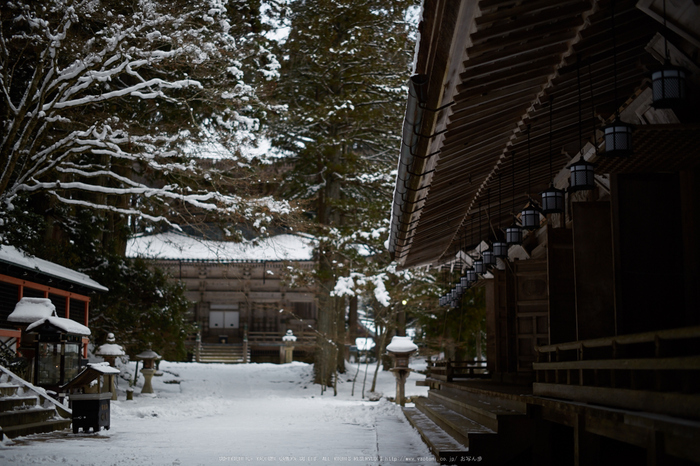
[449, 370]
[303, 338]
[654, 371]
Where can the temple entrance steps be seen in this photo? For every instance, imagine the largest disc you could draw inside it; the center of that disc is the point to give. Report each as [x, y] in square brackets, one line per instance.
[24, 410]
[464, 425]
[223, 353]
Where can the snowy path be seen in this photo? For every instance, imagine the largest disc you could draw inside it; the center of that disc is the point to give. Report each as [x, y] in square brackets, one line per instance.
[240, 414]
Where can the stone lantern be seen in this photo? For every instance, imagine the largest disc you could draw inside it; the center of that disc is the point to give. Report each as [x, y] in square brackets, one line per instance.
[110, 351]
[288, 340]
[149, 358]
[401, 349]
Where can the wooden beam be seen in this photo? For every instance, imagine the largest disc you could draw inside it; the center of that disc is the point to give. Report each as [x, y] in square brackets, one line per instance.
[671, 403]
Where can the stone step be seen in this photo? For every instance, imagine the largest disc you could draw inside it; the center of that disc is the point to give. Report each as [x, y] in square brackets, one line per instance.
[222, 348]
[226, 354]
[481, 409]
[441, 444]
[221, 360]
[36, 427]
[221, 353]
[26, 416]
[17, 402]
[466, 431]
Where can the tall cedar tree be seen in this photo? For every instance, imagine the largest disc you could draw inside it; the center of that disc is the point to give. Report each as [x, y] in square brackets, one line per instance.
[343, 84]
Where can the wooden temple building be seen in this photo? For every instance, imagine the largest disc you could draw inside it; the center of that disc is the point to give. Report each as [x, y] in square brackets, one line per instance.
[44, 312]
[518, 123]
[243, 296]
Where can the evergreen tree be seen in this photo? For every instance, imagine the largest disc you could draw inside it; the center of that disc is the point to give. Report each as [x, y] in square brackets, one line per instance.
[343, 89]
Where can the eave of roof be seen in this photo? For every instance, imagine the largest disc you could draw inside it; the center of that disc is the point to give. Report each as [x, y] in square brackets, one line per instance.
[518, 56]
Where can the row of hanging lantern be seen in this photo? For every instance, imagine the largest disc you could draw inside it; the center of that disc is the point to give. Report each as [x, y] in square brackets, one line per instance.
[669, 90]
[479, 266]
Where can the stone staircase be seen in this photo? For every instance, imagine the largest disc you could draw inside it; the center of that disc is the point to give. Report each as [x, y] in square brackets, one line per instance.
[26, 410]
[223, 353]
[461, 424]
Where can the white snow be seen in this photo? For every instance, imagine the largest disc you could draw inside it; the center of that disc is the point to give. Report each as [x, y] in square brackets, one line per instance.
[205, 414]
[174, 246]
[110, 349]
[29, 310]
[401, 345]
[103, 368]
[67, 325]
[364, 344]
[17, 257]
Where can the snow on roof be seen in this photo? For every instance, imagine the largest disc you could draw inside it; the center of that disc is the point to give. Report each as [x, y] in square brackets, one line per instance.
[178, 246]
[67, 325]
[29, 310]
[19, 258]
[401, 345]
[103, 368]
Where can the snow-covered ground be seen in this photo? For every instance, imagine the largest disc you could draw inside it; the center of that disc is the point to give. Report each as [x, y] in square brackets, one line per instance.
[206, 414]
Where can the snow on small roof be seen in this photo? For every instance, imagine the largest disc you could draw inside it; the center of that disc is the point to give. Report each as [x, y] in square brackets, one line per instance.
[29, 310]
[401, 345]
[178, 246]
[14, 256]
[103, 368]
[67, 325]
[110, 349]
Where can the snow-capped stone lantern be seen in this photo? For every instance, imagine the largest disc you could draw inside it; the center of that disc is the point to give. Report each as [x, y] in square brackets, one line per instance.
[289, 338]
[110, 351]
[401, 349]
[149, 358]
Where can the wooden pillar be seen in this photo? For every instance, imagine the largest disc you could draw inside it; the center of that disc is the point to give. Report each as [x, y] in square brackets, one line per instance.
[690, 209]
[593, 269]
[491, 345]
[655, 449]
[86, 314]
[561, 285]
[586, 445]
[646, 216]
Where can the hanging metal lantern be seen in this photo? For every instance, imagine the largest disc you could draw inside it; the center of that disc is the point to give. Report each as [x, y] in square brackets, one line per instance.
[489, 258]
[470, 274]
[553, 200]
[530, 216]
[669, 86]
[500, 249]
[514, 234]
[618, 139]
[582, 175]
[479, 266]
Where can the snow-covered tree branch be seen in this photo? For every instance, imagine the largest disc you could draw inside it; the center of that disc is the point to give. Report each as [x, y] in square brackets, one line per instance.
[105, 101]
